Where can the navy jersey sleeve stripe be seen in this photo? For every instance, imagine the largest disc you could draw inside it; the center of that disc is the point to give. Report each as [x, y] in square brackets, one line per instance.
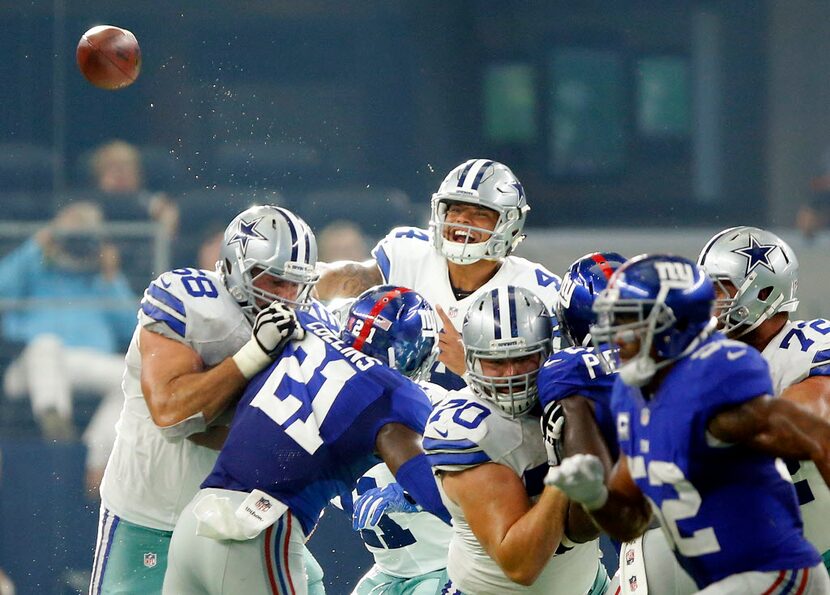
[458, 459]
[822, 369]
[383, 262]
[822, 357]
[166, 298]
[457, 445]
[159, 315]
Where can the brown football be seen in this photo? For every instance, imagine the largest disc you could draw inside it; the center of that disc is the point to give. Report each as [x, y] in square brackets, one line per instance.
[109, 57]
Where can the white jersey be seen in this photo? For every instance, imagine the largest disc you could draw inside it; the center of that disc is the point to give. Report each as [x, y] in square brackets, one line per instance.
[149, 480]
[406, 257]
[465, 431]
[801, 350]
[405, 544]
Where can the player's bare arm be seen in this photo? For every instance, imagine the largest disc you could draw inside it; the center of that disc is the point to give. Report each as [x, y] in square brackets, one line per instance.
[778, 427]
[176, 384]
[518, 535]
[813, 394]
[582, 435]
[396, 444]
[346, 278]
[627, 513]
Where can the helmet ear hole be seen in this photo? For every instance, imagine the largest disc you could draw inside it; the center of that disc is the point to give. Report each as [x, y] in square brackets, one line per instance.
[227, 265]
[764, 294]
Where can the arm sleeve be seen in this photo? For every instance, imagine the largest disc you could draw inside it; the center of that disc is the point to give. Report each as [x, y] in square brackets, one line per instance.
[416, 477]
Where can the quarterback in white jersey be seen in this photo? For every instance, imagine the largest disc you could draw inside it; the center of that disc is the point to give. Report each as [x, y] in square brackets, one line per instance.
[756, 275]
[486, 448]
[191, 355]
[478, 214]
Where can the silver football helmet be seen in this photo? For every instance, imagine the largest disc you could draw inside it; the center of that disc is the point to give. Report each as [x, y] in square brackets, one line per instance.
[267, 240]
[763, 269]
[489, 184]
[505, 323]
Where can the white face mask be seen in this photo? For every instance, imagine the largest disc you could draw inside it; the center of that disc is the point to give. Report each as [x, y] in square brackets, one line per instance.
[638, 372]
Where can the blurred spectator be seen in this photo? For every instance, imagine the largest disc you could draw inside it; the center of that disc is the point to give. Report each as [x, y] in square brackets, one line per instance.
[814, 216]
[342, 240]
[209, 249]
[118, 173]
[70, 310]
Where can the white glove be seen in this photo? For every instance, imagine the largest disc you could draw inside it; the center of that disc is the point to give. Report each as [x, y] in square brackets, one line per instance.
[273, 328]
[553, 422]
[582, 478]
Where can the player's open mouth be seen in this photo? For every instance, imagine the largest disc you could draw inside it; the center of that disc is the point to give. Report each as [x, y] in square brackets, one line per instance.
[462, 237]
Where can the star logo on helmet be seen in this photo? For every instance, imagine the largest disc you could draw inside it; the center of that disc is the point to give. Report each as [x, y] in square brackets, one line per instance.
[247, 231]
[756, 254]
[516, 186]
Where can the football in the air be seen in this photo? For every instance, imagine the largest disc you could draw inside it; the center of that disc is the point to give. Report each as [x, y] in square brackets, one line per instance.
[109, 57]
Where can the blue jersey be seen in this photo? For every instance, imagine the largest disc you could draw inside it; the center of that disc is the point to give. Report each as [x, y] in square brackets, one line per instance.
[578, 371]
[305, 428]
[726, 509]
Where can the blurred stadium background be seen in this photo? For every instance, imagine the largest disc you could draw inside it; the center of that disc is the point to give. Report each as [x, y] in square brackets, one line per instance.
[634, 125]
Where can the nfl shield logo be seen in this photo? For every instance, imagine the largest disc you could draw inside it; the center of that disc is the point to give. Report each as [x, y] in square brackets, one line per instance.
[263, 504]
[632, 583]
[150, 560]
[453, 312]
[629, 557]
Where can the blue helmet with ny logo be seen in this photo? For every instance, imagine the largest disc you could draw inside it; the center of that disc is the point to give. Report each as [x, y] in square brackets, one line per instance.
[395, 325]
[581, 284]
[665, 303]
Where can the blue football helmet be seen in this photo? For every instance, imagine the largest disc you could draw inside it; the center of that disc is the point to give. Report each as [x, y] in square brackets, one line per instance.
[581, 284]
[395, 325]
[663, 302]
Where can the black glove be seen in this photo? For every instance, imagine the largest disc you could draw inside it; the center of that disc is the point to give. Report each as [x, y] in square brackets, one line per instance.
[553, 425]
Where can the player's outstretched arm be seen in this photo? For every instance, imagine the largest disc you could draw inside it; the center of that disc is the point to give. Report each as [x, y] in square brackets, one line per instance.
[518, 535]
[618, 506]
[346, 278]
[778, 427]
[570, 428]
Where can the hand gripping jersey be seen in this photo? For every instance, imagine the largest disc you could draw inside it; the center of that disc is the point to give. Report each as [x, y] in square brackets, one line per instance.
[305, 428]
[406, 257]
[148, 479]
[578, 371]
[405, 544]
[726, 509]
[465, 431]
[801, 350]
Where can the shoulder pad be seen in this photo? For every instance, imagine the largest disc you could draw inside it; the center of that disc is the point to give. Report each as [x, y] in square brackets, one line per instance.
[463, 432]
[402, 247]
[568, 372]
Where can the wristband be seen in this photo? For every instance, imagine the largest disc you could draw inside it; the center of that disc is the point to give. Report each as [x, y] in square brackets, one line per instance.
[250, 359]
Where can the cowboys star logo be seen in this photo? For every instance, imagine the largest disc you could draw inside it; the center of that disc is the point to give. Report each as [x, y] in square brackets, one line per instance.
[756, 254]
[247, 231]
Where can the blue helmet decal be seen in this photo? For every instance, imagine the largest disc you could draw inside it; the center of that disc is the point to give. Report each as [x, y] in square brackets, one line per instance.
[395, 325]
[582, 282]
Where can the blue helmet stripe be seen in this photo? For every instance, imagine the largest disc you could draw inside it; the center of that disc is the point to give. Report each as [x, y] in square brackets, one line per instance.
[494, 297]
[294, 247]
[480, 174]
[465, 171]
[511, 310]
